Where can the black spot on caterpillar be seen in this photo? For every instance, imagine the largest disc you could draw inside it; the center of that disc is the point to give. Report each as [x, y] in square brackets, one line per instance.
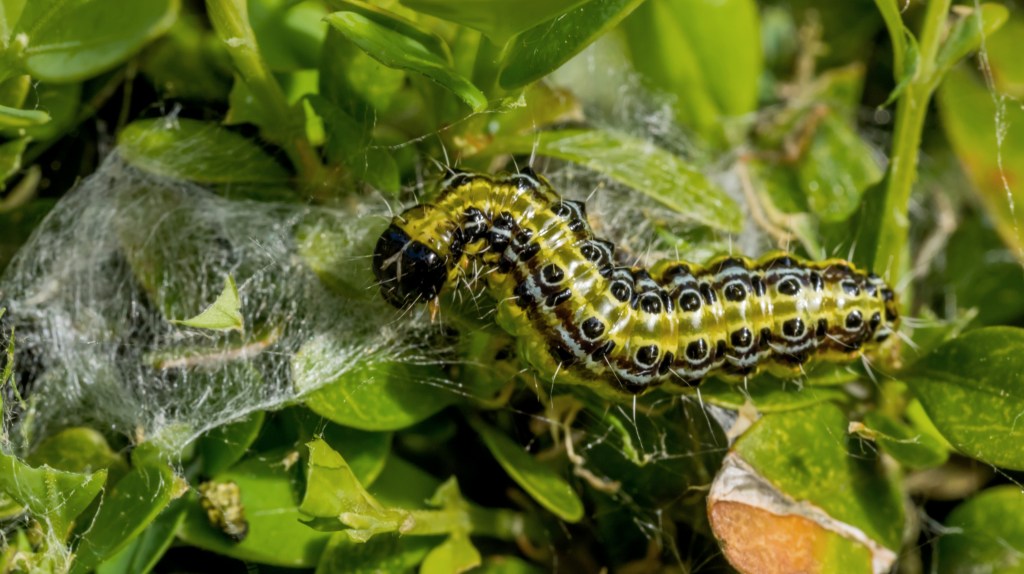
[576, 314]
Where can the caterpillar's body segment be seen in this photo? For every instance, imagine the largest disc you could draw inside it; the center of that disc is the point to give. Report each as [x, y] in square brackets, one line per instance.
[577, 314]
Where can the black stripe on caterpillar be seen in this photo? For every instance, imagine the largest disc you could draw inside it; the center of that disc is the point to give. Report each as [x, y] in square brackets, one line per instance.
[578, 315]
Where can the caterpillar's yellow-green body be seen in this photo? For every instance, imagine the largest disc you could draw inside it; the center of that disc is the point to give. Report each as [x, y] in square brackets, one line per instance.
[577, 315]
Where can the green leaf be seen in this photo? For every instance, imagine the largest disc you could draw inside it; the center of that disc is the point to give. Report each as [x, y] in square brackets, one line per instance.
[54, 497]
[397, 50]
[327, 247]
[804, 456]
[497, 564]
[403, 484]
[967, 34]
[78, 449]
[984, 534]
[11, 118]
[187, 62]
[71, 40]
[682, 46]
[387, 552]
[541, 49]
[10, 12]
[349, 143]
[224, 314]
[911, 448]
[145, 550]
[1002, 48]
[276, 535]
[335, 496]
[289, 33]
[913, 65]
[199, 151]
[128, 508]
[992, 160]
[639, 164]
[767, 394]
[357, 84]
[365, 452]
[392, 21]
[542, 483]
[456, 554]
[995, 294]
[973, 389]
[223, 446]
[60, 102]
[375, 396]
[10, 158]
[499, 20]
[836, 170]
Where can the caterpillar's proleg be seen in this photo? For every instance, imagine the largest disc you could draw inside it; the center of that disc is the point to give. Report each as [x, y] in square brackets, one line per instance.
[576, 313]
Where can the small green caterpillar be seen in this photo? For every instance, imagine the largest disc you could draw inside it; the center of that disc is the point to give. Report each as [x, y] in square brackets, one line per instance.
[578, 315]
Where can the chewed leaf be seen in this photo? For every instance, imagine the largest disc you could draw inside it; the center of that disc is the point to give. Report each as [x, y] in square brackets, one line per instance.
[54, 497]
[639, 164]
[397, 50]
[336, 500]
[973, 389]
[797, 463]
[129, 507]
[224, 314]
[545, 485]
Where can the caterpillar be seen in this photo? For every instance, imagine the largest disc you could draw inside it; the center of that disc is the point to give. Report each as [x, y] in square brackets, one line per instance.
[578, 315]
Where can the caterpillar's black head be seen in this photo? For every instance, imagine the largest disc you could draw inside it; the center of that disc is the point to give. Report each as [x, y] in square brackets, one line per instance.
[408, 271]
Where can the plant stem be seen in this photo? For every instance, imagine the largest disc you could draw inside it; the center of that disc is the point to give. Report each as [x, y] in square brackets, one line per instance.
[911, 112]
[230, 19]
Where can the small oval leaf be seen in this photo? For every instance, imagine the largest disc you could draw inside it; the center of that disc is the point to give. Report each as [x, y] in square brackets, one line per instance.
[499, 20]
[16, 118]
[546, 486]
[374, 397]
[397, 50]
[69, 41]
[639, 164]
[546, 46]
[180, 148]
[984, 534]
[973, 389]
